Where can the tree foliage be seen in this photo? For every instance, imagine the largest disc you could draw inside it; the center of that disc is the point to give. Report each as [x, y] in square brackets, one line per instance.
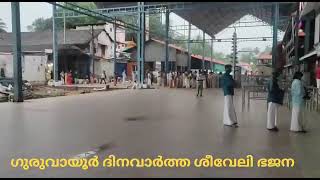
[250, 56]
[197, 48]
[44, 24]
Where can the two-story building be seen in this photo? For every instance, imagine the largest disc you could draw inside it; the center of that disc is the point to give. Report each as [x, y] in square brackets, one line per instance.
[308, 38]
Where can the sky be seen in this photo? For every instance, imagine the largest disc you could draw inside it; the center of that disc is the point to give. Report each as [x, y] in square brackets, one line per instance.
[29, 11]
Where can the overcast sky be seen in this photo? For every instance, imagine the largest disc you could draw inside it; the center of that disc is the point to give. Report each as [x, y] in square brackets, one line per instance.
[29, 11]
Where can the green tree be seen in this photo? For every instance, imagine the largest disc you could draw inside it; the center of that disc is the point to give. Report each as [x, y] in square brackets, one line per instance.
[2, 26]
[42, 24]
[267, 49]
[250, 56]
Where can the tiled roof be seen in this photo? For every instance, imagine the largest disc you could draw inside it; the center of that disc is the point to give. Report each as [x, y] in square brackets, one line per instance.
[267, 56]
[38, 41]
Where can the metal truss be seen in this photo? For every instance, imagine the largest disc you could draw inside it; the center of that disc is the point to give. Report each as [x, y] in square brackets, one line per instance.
[83, 11]
[77, 11]
[226, 39]
[161, 8]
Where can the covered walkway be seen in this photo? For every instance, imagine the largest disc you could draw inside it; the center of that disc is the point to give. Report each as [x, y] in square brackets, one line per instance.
[147, 123]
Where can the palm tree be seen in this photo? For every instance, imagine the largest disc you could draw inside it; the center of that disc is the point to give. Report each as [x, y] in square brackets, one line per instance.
[2, 26]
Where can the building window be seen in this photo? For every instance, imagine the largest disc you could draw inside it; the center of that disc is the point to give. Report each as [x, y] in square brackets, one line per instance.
[106, 46]
[110, 29]
[2, 74]
[103, 50]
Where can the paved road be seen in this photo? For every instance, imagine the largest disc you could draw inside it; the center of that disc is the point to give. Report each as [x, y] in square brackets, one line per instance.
[147, 123]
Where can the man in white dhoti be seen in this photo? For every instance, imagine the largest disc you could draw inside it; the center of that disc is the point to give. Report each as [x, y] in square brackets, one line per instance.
[133, 74]
[188, 80]
[169, 79]
[298, 94]
[275, 99]
[62, 77]
[159, 79]
[124, 76]
[229, 113]
[183, 80]
[149, 79]
[204, 73]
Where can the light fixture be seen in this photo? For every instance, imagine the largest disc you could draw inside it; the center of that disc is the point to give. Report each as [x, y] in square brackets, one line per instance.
[301, 33]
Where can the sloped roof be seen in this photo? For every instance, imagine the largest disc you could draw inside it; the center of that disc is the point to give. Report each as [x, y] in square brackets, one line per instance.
[265, 56]
[199, 57]
[38, 41]
[246, 66]
[212, 17]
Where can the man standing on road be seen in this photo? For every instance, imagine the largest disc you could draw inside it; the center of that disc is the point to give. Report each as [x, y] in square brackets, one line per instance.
[200, 79]
[275, 99]
[229, 113]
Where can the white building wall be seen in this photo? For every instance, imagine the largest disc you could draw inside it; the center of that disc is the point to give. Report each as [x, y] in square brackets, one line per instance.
[103, 39]
[182, 59]
[104, 65]
[33, 66]
[156, 52]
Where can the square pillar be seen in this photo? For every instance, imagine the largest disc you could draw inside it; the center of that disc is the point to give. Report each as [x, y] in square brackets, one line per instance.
[17, 69]
[275, 23]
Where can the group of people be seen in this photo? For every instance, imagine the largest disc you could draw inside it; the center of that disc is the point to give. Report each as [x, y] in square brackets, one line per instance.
[275, 99]
[69, 77]
[186, 79]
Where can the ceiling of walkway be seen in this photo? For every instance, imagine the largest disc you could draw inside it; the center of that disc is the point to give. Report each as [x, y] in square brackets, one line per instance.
[213, 17]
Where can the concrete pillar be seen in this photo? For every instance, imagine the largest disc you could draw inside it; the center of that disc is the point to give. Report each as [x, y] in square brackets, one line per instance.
[203, 50]
[307, 35]
[55, 46]
[92, 51]
[296, 42]
[189, 48]
[275, 21]
[115, 46]
[140, 42]
[211, 63]
[17, 70]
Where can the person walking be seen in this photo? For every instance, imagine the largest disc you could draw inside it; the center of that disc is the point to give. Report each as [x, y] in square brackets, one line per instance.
[229, 113]
[298, 94]
[275, 99]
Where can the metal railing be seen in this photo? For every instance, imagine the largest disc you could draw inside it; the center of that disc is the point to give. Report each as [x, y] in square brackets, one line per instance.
[255, 88]
[311, 105]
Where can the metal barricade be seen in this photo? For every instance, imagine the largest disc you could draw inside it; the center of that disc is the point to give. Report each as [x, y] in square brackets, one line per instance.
[253, 88]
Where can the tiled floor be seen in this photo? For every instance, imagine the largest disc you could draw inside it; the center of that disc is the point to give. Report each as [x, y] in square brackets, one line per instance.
[147, 123]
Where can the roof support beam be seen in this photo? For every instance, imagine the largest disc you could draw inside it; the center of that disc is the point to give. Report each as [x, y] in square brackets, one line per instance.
[189, 48]
[140, 43]
[55, 45]
[203, 50]
[167, 42]
[275, 34]
[17, 70]
[115, 48]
